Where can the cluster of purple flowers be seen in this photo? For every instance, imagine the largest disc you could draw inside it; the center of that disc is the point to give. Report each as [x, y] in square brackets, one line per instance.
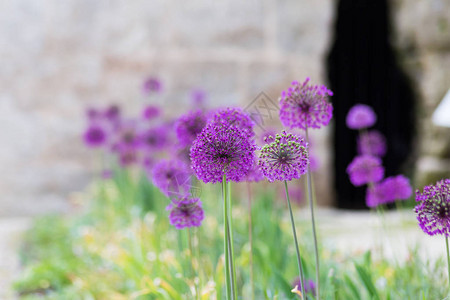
[305, 106]
[367, 167]
[433, 208]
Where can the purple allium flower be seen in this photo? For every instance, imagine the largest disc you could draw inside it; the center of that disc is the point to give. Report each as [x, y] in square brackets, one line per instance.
[93, 114]
[112, 113]
[254, 174]
[397, 188]
[375, 195]
[127, 155]
[95, 136]
[360, 116]
[433, 210]
[364, 169]
[285, 158]
[188, 126]
[234, 117]
[151, 84]
[305, 106]
[154, 139]
[151, 112]
[372, 143]
[172, 178]
[187, 212]
[220, 150]
[127, 135]
[310, 285]
[198, 96]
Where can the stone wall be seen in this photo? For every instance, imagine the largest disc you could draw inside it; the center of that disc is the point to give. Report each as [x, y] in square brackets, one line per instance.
[423, 41]
[58, 57]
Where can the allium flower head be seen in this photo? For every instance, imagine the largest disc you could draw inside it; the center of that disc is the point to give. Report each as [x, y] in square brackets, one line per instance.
[234, 117]
[172, 178]
[150, 85]
[360, 116]
[389, 190]
[151, 112]
[364, 169]
[220, 150]
[310, 285]
[433, 210]
[187, 212]
[305, 106]
[188, 126]
[254, 174]
[372, 143]
[95, 136]
[112, 113]
[154, 139]
[285, 158]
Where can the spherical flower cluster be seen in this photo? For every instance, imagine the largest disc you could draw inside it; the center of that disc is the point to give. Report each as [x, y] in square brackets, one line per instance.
[154, 139]
[389, 190]
[372, 143]
[172, 177]
[150, 85]
[234, 117]
[364, 169]
[310, 286]
[254, 174]
[433, 210]
[360, 116]
[187, 212]
[151, 112]
[222, 150]
[94, 136]
[188, 126]
[305, 106]
[285, 158]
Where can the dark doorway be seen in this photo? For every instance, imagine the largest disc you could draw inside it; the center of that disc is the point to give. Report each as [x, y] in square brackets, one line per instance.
[362, 68]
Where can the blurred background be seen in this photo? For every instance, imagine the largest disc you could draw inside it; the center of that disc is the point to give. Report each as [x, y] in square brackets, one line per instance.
[61, 57]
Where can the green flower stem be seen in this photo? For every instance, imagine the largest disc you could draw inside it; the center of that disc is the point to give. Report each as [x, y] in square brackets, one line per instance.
[294, 232]
[225, 218]
[230, 240]
[311, 206]
[448, 259]
[250, 238]
[191, 256]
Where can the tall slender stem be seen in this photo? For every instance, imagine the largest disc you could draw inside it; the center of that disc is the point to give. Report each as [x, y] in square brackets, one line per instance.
[225, 229]
[250, 238]
[448, 259]
[191, 256]
[311, 206]
[231, 240]
[294, 232]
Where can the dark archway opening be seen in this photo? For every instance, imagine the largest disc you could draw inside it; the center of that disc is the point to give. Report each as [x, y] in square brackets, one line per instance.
[362, 68]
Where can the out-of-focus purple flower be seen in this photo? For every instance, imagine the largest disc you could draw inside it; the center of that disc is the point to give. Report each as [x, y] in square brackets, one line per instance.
[151, 85]
[154, 139]
[187, 212]
[172, 177]
[112, 113]
[372, 143]
[198, 97]
[95, 136]
[107, 174]
[188, 126]
[127, 135]
[305, 106]
[389, 190]
[234, 117]
[360, 116]
[364, 169]
[93, 114]
[433, 210]
[254, 174]
[222, 150]
[397, 188]
[151, 112]
[310, 285]
[285, 158]
[127, 155]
